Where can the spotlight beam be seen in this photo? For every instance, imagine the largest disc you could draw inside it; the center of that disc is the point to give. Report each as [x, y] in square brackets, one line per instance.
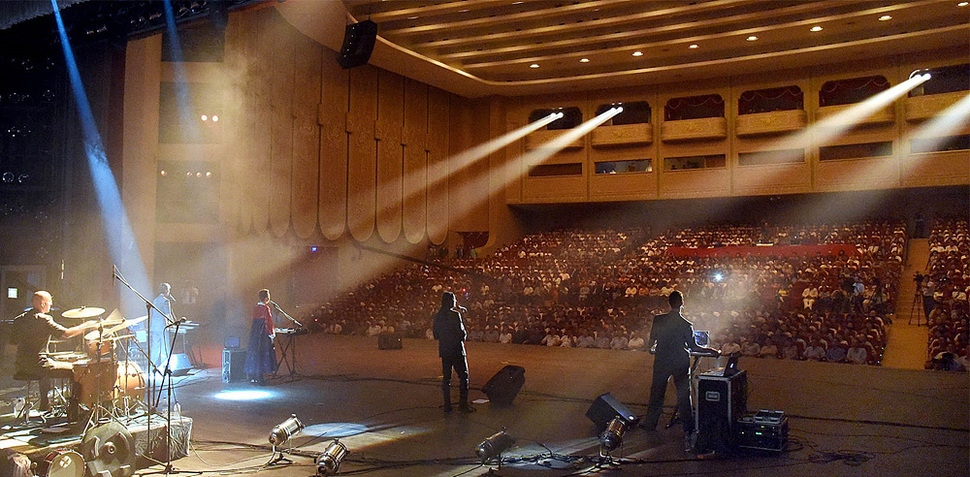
[119, 236]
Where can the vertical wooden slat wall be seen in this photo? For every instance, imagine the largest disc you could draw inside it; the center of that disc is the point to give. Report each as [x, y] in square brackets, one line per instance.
[415, 160]
[260, 63]
[306, 138]
[390, 118]
[362, 171]
[439, 140]
[282, 130]
[317, 149]
[332, 117]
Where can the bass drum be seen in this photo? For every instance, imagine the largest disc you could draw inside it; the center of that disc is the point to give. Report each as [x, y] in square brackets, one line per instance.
[129, 386]
[61, 463]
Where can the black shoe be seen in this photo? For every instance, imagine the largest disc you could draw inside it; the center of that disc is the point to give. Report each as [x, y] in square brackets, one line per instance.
[447, 408]
[466, 408]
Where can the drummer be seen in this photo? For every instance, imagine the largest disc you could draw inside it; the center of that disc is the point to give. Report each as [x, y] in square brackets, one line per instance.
[31, 331]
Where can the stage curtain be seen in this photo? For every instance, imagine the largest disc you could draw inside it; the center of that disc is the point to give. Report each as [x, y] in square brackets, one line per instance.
[438, 151]
[332, 209]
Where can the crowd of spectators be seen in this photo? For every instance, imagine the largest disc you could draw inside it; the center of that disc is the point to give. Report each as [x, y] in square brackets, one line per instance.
[945, 288]
[601, 289]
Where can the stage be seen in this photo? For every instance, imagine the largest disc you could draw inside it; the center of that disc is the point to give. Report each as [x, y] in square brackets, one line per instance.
[384, 406]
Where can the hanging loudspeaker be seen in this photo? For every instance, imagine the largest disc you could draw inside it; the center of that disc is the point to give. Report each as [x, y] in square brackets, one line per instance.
[359, 39]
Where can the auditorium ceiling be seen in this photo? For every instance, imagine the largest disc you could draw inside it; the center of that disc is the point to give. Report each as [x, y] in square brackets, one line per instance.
[552, 45]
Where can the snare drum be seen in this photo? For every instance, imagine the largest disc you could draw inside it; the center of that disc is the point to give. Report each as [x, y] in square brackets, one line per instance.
[62, 463]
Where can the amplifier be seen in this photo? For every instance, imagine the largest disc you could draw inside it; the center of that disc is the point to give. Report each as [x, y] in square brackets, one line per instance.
[764, 430]
[233, 361]
[721, 400]
[389, 341]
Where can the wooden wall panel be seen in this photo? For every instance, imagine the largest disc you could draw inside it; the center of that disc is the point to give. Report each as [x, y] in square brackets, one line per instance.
[237, 170]
[390, 155]
[282, 142]
[332, 117]
[306, 139]
[440, 133]
[362, 176]
[262, 92]
[416, 159]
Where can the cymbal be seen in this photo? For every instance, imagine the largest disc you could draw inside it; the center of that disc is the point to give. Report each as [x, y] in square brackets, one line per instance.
[93, 335]
[83, 312]
[126, 323]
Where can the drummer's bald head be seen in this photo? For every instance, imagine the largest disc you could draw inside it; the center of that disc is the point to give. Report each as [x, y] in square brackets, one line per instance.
[42, 301]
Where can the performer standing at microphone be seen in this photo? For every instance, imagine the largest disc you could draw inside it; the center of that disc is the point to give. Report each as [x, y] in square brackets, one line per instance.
[450, 332]
[159, 322]
[261, 355]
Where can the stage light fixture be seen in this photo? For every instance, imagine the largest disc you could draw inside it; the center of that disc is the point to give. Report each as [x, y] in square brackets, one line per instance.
[493, 446]
[612, 437]
[328, 463]
[923, 73]
[285, 430]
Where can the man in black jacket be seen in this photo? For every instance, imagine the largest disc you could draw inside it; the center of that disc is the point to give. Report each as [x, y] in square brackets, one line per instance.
[673, 338]
[450, 333]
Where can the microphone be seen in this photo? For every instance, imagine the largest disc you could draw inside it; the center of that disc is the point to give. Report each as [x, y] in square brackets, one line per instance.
[171, 298]
[275, 305]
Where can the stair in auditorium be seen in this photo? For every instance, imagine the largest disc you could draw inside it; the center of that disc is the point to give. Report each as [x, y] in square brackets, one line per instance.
[906, 348]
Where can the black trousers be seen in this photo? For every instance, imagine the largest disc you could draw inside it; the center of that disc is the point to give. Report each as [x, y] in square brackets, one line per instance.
[659, 388]
[460, 366]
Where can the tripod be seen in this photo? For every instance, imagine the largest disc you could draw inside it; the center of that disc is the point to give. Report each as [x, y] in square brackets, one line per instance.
[917, 308]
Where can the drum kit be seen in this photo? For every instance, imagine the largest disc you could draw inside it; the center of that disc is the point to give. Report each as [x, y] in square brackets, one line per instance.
[106, 383]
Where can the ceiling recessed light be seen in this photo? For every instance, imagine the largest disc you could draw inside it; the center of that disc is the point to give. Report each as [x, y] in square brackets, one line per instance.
[637, 53]
[534, 65]
[693, 47]
[752, 38]
[816, 28]
[584, 60]
[885, 18]
[963, 4]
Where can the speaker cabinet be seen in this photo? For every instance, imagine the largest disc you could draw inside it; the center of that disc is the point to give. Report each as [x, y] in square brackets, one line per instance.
[502, 388]
[606, 407]
[359, 39]
[721, 401]
[233, 360]
[389, 341]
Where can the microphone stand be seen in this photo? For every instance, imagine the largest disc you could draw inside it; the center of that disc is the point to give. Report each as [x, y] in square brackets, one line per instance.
[152, 408]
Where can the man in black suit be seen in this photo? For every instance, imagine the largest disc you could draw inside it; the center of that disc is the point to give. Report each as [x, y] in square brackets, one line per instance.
[672, 336]
[450, 333]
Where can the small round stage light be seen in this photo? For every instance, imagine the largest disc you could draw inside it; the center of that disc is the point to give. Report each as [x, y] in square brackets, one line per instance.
[612, 437]
[285, 430]
[204, 117]
[493, 446]
[328, 463]
[215, 118]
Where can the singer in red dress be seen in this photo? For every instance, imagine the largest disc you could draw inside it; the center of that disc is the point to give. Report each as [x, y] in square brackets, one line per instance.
[261, 355]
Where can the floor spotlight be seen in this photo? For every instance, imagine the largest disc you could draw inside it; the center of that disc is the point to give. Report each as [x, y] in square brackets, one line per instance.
[612, 437]
[328, 463]
[281, 434]
[493, 446]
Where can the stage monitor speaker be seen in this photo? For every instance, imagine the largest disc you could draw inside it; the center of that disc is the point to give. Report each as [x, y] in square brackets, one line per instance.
[721, 400]
[359, 39]
[233, 361]
[389, 341]
[179, 364]
[606, 407]
[502, 388]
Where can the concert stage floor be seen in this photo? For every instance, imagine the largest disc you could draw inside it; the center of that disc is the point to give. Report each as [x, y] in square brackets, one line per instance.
[383, 405]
